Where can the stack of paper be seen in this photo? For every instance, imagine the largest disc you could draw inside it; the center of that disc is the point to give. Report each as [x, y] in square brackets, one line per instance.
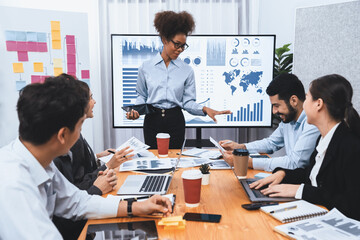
[170, 223]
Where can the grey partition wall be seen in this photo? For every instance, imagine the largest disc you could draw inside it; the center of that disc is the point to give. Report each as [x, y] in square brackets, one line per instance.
[327, 40]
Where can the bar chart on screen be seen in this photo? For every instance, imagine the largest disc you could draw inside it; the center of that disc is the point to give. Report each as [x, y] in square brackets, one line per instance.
[252, 112]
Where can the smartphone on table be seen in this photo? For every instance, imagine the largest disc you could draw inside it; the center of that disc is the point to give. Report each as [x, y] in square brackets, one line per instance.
[202, 217]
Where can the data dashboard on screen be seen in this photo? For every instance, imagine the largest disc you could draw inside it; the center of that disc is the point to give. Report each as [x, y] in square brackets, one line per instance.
[231, 72]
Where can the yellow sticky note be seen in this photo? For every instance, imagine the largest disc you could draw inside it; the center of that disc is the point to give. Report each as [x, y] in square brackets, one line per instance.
[56, 44]
[55, 25]
[57, 63]
[57, 71]
[55, 35]
[172, 219]
[38, 67]
[18, 67]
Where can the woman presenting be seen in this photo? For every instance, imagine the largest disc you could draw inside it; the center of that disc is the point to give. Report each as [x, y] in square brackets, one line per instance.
[168, 84]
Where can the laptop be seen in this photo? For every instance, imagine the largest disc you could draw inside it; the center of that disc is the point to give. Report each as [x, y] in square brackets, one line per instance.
[149, 184]
[256, 196]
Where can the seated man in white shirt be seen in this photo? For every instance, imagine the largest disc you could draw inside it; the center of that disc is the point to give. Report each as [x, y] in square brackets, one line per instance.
[32, 190]
[287, 96]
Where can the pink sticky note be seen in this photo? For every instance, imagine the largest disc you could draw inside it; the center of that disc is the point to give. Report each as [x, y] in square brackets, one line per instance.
[42, 47]
[71, 58]
[23, 56]
[85, 74]
[70, 39]
[11, 45]
[21, 46]
[70, 48]
[32, 46]
[71, 67]
[35, 79]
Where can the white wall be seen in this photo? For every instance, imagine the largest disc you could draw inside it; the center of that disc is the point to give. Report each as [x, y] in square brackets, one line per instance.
[8, 120]
[278, 17]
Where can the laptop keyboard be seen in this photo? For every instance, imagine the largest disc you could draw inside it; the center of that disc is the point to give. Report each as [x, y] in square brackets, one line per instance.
[153, 184]
[257, 193]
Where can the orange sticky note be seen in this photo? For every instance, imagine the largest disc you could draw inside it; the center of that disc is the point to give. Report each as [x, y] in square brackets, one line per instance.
[58, 71]
[18, 67]
[55, 35]
[38, 67]
[55, 25]
[57, 62]
[56, 44]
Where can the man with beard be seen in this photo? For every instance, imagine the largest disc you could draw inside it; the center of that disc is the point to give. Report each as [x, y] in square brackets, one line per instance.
[287, 96]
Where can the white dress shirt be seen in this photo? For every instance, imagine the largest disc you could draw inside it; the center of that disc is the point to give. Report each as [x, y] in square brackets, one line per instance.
[30, 195]
[321, 149]
[299, 139]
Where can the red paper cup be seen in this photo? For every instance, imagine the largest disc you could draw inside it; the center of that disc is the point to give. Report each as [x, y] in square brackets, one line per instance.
[192, 187]
[163, 140]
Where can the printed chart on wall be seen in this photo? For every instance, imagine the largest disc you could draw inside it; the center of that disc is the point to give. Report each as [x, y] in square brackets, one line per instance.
[40, 43]
[231, 72]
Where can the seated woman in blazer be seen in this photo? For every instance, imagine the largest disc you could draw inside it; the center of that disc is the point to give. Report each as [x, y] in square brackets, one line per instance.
[331, 179]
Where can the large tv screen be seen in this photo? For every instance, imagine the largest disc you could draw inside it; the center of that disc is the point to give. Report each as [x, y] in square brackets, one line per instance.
[231, 72]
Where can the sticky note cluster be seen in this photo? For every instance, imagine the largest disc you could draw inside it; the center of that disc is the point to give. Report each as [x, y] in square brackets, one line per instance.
[176, 222]
[55, 34]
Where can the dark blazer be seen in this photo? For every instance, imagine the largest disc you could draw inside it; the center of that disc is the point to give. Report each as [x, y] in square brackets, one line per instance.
[83, 170]
[338, 177]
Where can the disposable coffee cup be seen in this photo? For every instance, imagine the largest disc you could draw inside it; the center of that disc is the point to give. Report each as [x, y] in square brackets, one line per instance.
[163, 140]
[192, 187]
[241, 159]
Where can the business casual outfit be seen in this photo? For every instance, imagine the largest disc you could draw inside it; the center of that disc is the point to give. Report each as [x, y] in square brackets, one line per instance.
[168, 90]
[299, 139]
[80, 167]
[331, 179]
[30, 195]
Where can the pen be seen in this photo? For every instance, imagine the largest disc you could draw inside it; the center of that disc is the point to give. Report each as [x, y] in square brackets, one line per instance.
[111, 151]
[227, 142]
[283, 209]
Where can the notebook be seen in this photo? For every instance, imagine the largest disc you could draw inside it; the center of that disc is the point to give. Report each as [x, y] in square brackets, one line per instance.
[256, 196]
[149, 184]
[332, 226]
[294, 211]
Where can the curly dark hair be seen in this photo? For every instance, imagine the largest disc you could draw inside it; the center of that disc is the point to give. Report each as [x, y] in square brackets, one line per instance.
[169, 23]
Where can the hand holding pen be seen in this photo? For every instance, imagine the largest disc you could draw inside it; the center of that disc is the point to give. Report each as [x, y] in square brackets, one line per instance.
[119, 157]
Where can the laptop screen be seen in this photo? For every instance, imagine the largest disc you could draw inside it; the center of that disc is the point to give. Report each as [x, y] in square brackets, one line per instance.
[178, 159]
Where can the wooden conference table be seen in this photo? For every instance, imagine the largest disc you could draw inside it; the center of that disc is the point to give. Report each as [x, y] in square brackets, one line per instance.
[224, 195]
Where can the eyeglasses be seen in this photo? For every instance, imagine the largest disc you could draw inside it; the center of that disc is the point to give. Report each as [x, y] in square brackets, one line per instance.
[179, 45]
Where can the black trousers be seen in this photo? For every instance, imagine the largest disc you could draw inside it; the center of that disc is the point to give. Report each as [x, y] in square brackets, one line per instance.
[169, 121]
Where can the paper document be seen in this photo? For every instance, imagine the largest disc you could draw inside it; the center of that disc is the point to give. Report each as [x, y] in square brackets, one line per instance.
[202, 153]
[195, 162]
[222, 150]
[146, 164]
[135, 144]
[331, 226]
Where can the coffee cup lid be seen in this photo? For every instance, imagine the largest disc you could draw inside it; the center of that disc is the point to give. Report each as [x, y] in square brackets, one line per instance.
[162, 135]
[241, 152]
[191, 174]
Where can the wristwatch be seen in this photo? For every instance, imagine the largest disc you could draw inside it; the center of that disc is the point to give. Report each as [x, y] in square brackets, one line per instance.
[129, 206]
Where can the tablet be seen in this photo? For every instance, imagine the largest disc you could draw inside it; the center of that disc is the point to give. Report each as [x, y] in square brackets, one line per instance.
[141, 108]
[123, 231]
